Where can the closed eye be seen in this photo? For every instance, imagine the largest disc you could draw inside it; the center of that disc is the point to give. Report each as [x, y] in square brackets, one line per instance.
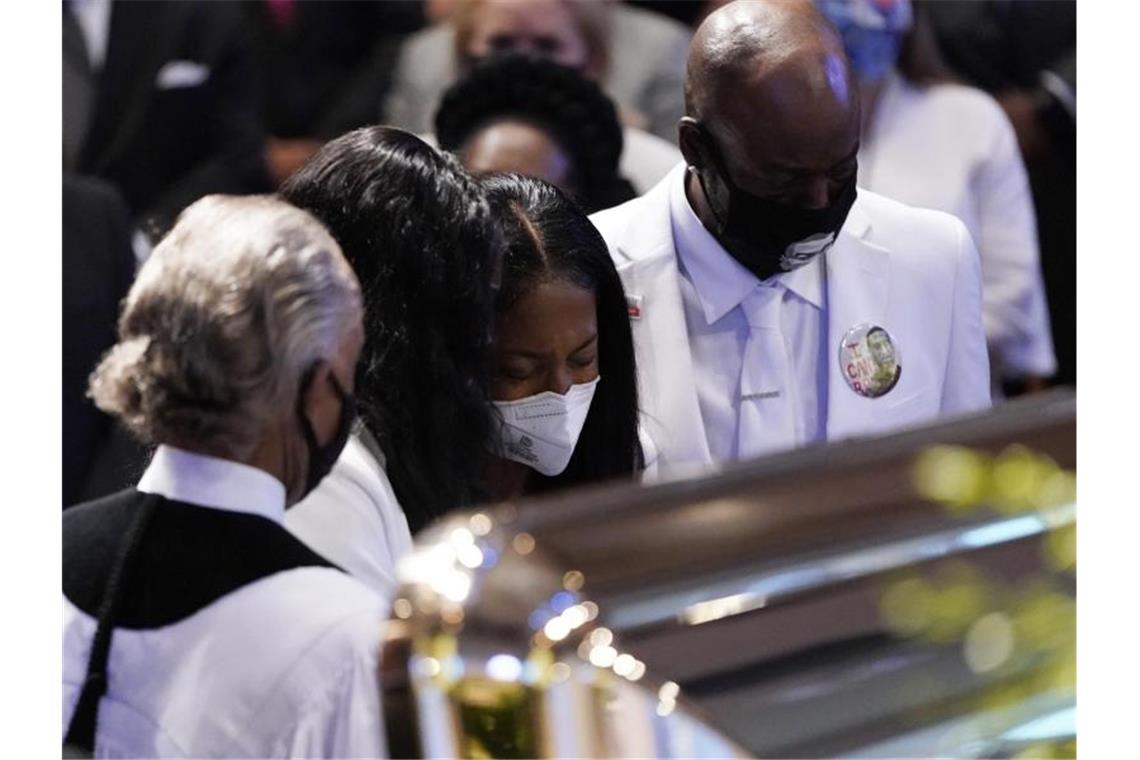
[546, 45]
[516, 371]
[502, 42]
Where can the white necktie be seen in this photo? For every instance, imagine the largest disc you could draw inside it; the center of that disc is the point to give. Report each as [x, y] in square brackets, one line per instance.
[767, 422]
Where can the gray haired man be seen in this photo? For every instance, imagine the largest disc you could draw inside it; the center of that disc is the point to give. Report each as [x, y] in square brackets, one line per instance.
[194, 623]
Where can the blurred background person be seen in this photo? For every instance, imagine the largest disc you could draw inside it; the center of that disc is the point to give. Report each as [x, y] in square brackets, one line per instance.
[1024, 53]
[98, 268]
[323, 67]
[160, 100]
[929, 142]
[688, 12]
[638, 56]
[236, 355]
[419, 234]
[533, 116]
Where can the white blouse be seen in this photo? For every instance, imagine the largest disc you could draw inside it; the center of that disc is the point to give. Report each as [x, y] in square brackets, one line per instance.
[353, 520]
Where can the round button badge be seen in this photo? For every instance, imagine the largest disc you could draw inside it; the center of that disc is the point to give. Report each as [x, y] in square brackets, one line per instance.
[869, 360]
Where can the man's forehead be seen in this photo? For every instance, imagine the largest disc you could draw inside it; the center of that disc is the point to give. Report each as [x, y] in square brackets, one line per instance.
[791, 115]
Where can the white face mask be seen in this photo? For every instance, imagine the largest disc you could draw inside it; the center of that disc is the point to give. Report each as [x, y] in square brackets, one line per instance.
[541, 431]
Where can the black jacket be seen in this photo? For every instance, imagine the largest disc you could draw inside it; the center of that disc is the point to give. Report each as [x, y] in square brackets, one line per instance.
[98, 267]
[165, 140]
[327, 70]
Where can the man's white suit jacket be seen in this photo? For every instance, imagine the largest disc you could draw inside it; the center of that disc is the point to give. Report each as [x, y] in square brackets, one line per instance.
[912, 271]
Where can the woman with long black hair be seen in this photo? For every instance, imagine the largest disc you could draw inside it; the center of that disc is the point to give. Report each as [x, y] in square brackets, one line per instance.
[484, 301]
[419, 234]
[564, 375]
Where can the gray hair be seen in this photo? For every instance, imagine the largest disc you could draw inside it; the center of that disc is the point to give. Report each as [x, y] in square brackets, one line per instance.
[234, 306]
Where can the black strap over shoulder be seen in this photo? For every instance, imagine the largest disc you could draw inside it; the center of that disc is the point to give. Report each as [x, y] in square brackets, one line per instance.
[81, 731]
[139, 561]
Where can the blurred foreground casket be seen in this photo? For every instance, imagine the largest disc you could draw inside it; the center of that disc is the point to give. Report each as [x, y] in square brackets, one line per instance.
[904, 596]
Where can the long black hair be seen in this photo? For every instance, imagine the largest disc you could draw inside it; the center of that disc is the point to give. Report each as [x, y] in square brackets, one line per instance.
[419, 233]
[558, 100]
[548, 238]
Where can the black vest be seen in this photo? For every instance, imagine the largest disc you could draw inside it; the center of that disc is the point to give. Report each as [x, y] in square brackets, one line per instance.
[189, 557]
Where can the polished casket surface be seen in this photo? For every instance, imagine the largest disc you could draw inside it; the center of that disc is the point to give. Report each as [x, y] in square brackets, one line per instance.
[909, 595]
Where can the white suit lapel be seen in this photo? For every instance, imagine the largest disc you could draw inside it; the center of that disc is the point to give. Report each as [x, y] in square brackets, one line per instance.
[671, 412]
[858, 292]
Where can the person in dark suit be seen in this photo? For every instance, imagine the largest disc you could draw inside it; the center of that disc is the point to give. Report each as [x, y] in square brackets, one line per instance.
[98, 266]
[160, 99]
[323, 66]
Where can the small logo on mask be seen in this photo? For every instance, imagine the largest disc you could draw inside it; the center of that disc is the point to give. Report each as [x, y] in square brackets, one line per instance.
[524, 449]
[799, 253]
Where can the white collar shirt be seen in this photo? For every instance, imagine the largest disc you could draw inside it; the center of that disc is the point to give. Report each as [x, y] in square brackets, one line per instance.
[284, 666]
[207, 481]
[94, 18]
[716, 290]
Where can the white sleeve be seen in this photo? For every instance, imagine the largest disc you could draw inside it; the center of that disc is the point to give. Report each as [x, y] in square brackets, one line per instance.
[353, 520]
[345, 718]
[1014, 308]
[966, 387]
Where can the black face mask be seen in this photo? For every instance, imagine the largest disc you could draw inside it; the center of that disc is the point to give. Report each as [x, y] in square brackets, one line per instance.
[322, 458]
[768, 237]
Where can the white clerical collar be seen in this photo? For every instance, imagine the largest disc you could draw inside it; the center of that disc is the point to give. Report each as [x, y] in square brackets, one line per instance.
[180, 475]
[720, 281]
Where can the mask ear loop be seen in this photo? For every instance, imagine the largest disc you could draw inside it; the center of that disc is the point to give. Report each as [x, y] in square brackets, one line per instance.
[303, 388]
[347, 402]
[307, 431]
[712, 156]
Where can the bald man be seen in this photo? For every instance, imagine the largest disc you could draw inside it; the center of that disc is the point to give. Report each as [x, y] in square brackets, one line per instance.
[774, 304]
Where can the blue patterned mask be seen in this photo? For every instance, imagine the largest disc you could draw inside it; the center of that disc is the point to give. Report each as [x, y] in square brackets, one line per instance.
[872, 32]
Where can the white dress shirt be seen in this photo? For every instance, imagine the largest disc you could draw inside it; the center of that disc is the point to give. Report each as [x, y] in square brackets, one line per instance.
[951, 148]
[716, 292]
[94, 18]
[353, 520]
[285, 666]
